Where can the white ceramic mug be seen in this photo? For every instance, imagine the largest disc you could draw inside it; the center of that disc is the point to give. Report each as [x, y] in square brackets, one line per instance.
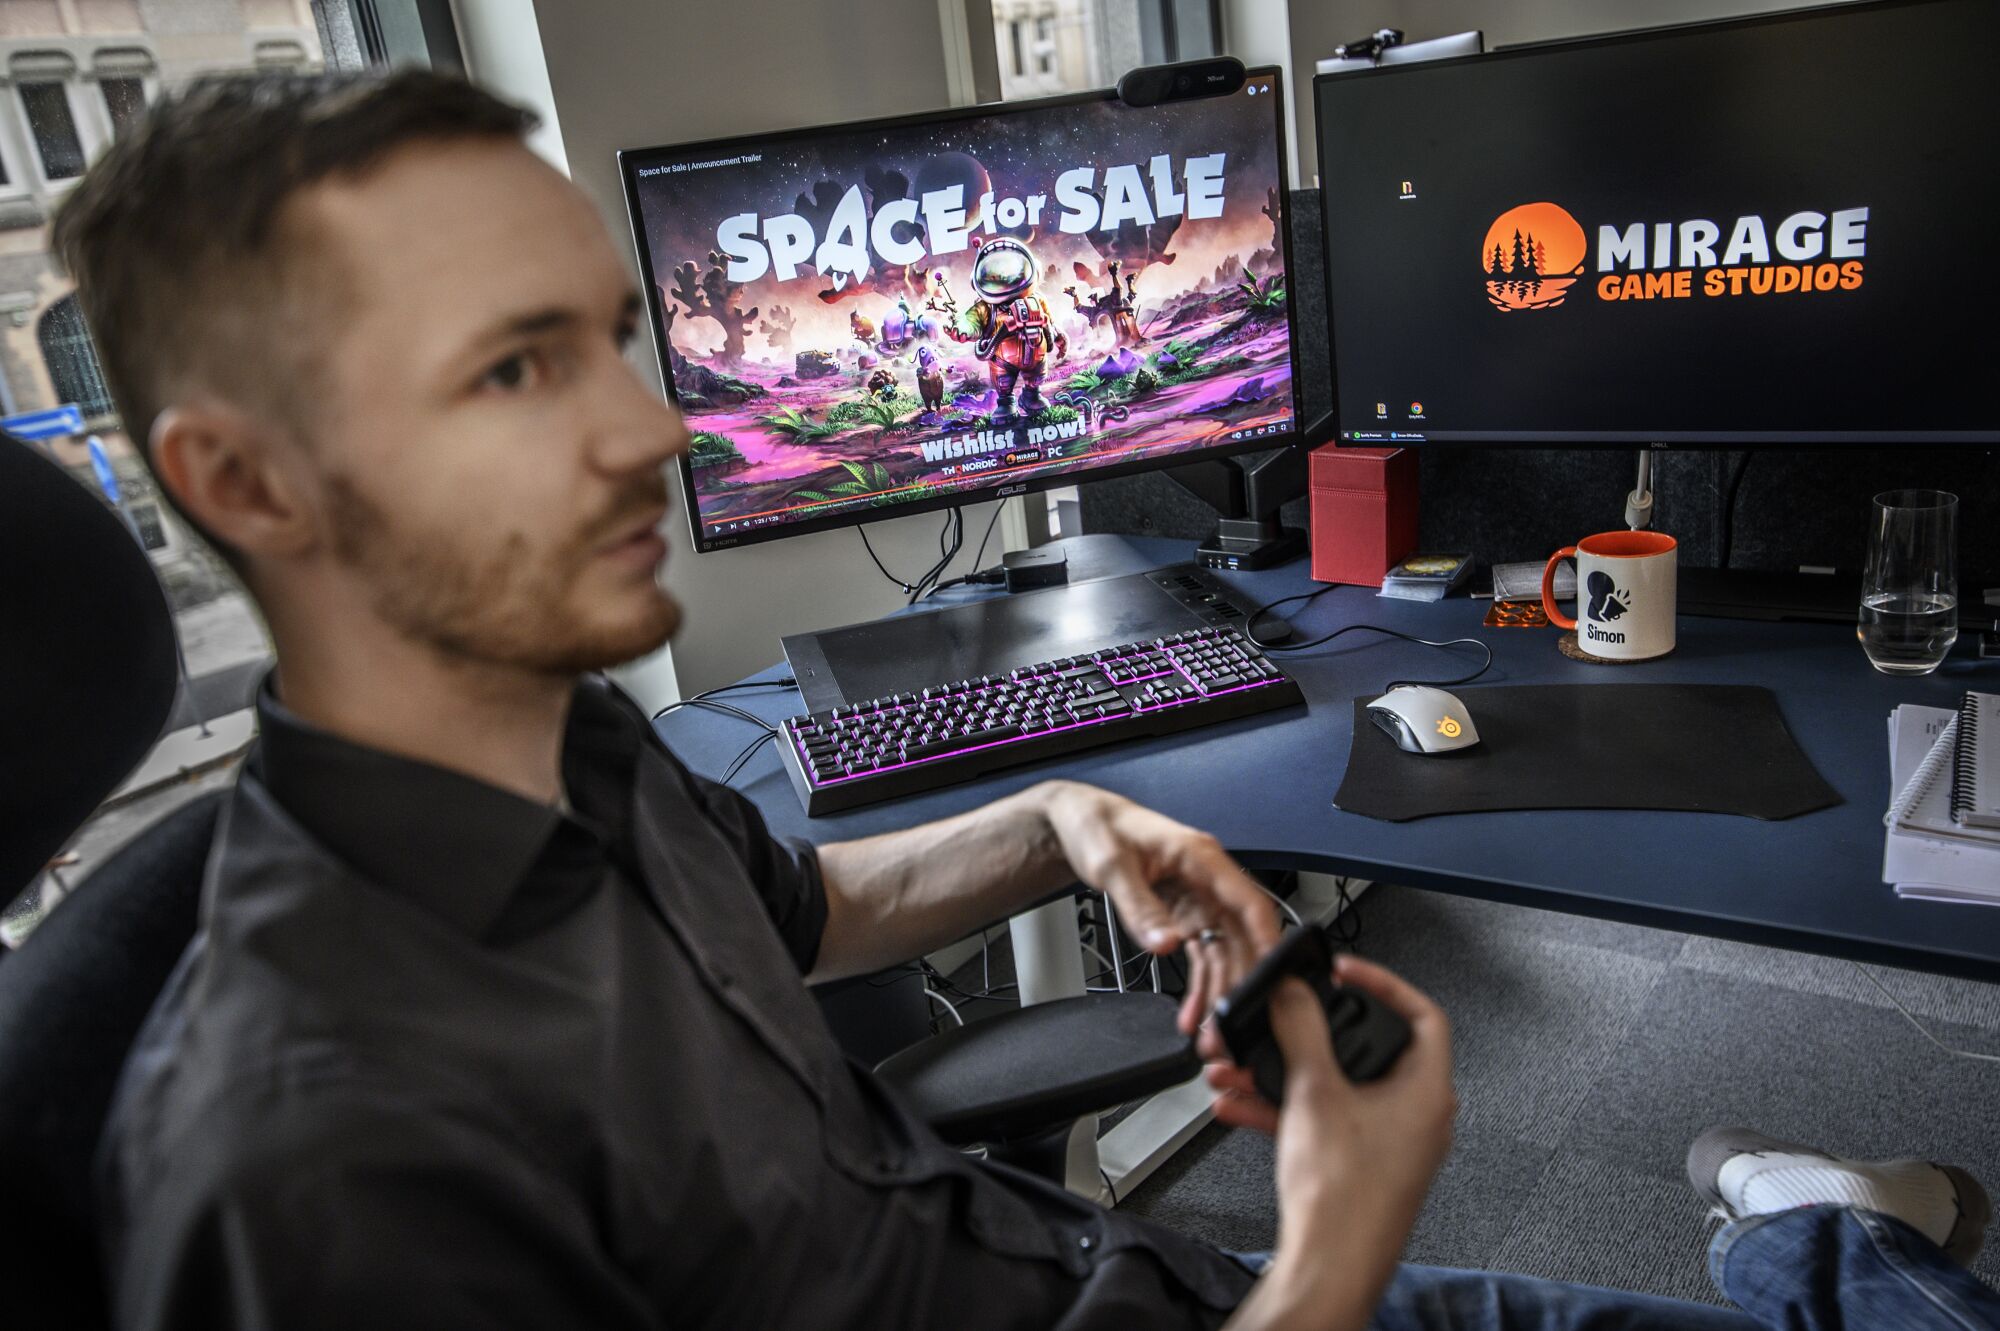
[1625, 589]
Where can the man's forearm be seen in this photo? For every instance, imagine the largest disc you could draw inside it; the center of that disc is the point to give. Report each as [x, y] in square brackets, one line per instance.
[897, 896]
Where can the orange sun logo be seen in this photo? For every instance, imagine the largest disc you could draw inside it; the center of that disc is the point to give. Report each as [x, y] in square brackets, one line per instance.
[1532, 256]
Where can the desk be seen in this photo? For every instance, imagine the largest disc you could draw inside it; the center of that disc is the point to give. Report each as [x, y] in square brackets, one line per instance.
[1265, 785]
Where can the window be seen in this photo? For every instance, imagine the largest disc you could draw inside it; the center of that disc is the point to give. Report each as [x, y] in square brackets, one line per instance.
[124, 99]
[72, 359]
[54, 128]
[152, 529]
[1079, 45]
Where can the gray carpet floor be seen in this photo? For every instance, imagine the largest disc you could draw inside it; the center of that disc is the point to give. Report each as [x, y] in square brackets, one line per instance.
[1590, 1054]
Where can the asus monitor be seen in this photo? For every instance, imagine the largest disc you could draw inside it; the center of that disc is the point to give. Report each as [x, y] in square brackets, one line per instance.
[870, 320]
[1763, 231]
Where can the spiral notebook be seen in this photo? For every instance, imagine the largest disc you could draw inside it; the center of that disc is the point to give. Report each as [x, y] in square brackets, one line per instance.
[1929, 852]
[1975, 771]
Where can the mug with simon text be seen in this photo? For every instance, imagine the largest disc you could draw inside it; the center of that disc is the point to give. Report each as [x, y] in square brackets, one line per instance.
[1625, 589]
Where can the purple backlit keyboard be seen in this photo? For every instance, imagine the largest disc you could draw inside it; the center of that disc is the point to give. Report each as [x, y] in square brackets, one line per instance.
[911, 742]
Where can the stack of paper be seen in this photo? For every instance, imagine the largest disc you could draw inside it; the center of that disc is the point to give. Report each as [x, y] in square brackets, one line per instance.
[1523, 582]
[1425, 577]
[1928, 854]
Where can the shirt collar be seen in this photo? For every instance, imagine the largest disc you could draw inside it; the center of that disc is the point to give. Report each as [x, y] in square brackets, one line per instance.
[458, 846]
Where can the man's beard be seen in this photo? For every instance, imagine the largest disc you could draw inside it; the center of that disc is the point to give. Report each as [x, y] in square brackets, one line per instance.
[507, 606]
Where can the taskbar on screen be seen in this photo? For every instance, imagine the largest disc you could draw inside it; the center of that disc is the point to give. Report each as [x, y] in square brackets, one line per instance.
[981, 474]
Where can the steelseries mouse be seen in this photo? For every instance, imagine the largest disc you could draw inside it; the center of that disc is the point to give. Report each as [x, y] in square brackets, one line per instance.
[1422, 719]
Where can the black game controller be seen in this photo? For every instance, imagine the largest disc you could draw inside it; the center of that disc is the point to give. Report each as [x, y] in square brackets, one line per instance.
[1367, 1036]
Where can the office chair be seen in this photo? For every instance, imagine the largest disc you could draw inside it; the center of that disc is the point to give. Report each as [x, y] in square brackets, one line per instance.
[71, 1003]
[84, 694]
[1017, 1083]
[89, 676]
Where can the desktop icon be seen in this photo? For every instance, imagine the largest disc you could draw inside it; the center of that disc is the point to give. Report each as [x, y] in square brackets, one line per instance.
[1409, 189]
[1416, 408]
[1381, 409]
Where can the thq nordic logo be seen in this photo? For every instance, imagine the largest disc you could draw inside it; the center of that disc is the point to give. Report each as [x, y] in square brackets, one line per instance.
[1535, 252]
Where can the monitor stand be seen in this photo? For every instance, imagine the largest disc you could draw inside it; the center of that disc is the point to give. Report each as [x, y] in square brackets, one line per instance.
[1246, 493]
[1823, 596]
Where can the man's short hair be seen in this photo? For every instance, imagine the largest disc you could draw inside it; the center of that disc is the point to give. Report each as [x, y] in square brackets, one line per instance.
[182, 270]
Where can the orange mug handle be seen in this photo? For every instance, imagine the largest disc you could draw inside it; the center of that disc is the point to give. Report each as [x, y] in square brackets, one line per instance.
[1556, 617]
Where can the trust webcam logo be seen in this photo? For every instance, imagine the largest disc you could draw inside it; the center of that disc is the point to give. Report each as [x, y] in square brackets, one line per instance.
[1532, 255]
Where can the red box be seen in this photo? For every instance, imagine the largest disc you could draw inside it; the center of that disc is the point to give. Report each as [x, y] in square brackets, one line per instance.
[1364, 512]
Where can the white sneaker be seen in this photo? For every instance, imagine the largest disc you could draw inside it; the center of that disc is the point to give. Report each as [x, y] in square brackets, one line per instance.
[1744, 1173]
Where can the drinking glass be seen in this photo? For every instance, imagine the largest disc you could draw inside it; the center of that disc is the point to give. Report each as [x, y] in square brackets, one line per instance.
[1909, 595]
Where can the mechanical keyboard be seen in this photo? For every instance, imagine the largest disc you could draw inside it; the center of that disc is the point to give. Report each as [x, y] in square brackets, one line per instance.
[907, 743]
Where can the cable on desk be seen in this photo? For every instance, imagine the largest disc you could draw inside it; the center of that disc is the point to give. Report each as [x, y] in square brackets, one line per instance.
[702, 699]
[946, 553]
[748, 753]
[951, 539]
[1922, 1030]
[1250, 630]
[726, 709]
[978, 575]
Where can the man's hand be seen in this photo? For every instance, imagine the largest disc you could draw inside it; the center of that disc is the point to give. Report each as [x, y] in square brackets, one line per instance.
[1353, 1162]
[1172, 886]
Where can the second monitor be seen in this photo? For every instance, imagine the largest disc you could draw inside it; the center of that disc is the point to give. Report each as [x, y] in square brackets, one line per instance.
[1764, 230]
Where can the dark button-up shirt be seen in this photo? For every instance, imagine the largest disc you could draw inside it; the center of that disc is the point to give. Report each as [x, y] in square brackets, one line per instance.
[441, 1056]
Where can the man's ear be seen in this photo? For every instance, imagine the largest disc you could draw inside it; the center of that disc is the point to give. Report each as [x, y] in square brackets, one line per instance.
[235, 476]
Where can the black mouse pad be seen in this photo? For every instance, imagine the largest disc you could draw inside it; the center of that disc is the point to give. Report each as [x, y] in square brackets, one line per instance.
[1703, 748]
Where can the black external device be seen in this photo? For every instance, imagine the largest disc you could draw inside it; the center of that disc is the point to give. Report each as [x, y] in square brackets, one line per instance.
[1040, 567]
[1150, 85]
[1367, 1036]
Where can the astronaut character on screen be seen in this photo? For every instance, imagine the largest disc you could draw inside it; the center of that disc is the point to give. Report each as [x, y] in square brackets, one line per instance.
[1011, 328]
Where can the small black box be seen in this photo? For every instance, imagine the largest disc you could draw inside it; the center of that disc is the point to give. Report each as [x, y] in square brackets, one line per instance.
[1035, 568]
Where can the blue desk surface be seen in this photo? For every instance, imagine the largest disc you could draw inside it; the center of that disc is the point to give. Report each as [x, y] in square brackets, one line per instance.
[1265, 785]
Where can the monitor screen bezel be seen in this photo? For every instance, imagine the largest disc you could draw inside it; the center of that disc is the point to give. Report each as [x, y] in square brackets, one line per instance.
[1607, 438]
[628, 160]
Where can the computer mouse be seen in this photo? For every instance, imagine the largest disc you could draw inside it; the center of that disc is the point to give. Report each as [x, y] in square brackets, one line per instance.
[1422, 719]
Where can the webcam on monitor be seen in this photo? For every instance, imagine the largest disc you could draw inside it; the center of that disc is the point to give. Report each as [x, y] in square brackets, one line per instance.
[1387, 47]
[1150, 85]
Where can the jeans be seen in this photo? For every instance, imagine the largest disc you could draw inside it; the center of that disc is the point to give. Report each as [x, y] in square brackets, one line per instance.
[1816, 1268]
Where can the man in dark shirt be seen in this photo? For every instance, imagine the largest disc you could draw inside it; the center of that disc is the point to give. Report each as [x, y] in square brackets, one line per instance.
[496, 1014]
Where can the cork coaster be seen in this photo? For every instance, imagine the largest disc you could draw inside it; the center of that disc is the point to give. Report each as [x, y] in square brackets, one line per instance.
[1567, 645]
